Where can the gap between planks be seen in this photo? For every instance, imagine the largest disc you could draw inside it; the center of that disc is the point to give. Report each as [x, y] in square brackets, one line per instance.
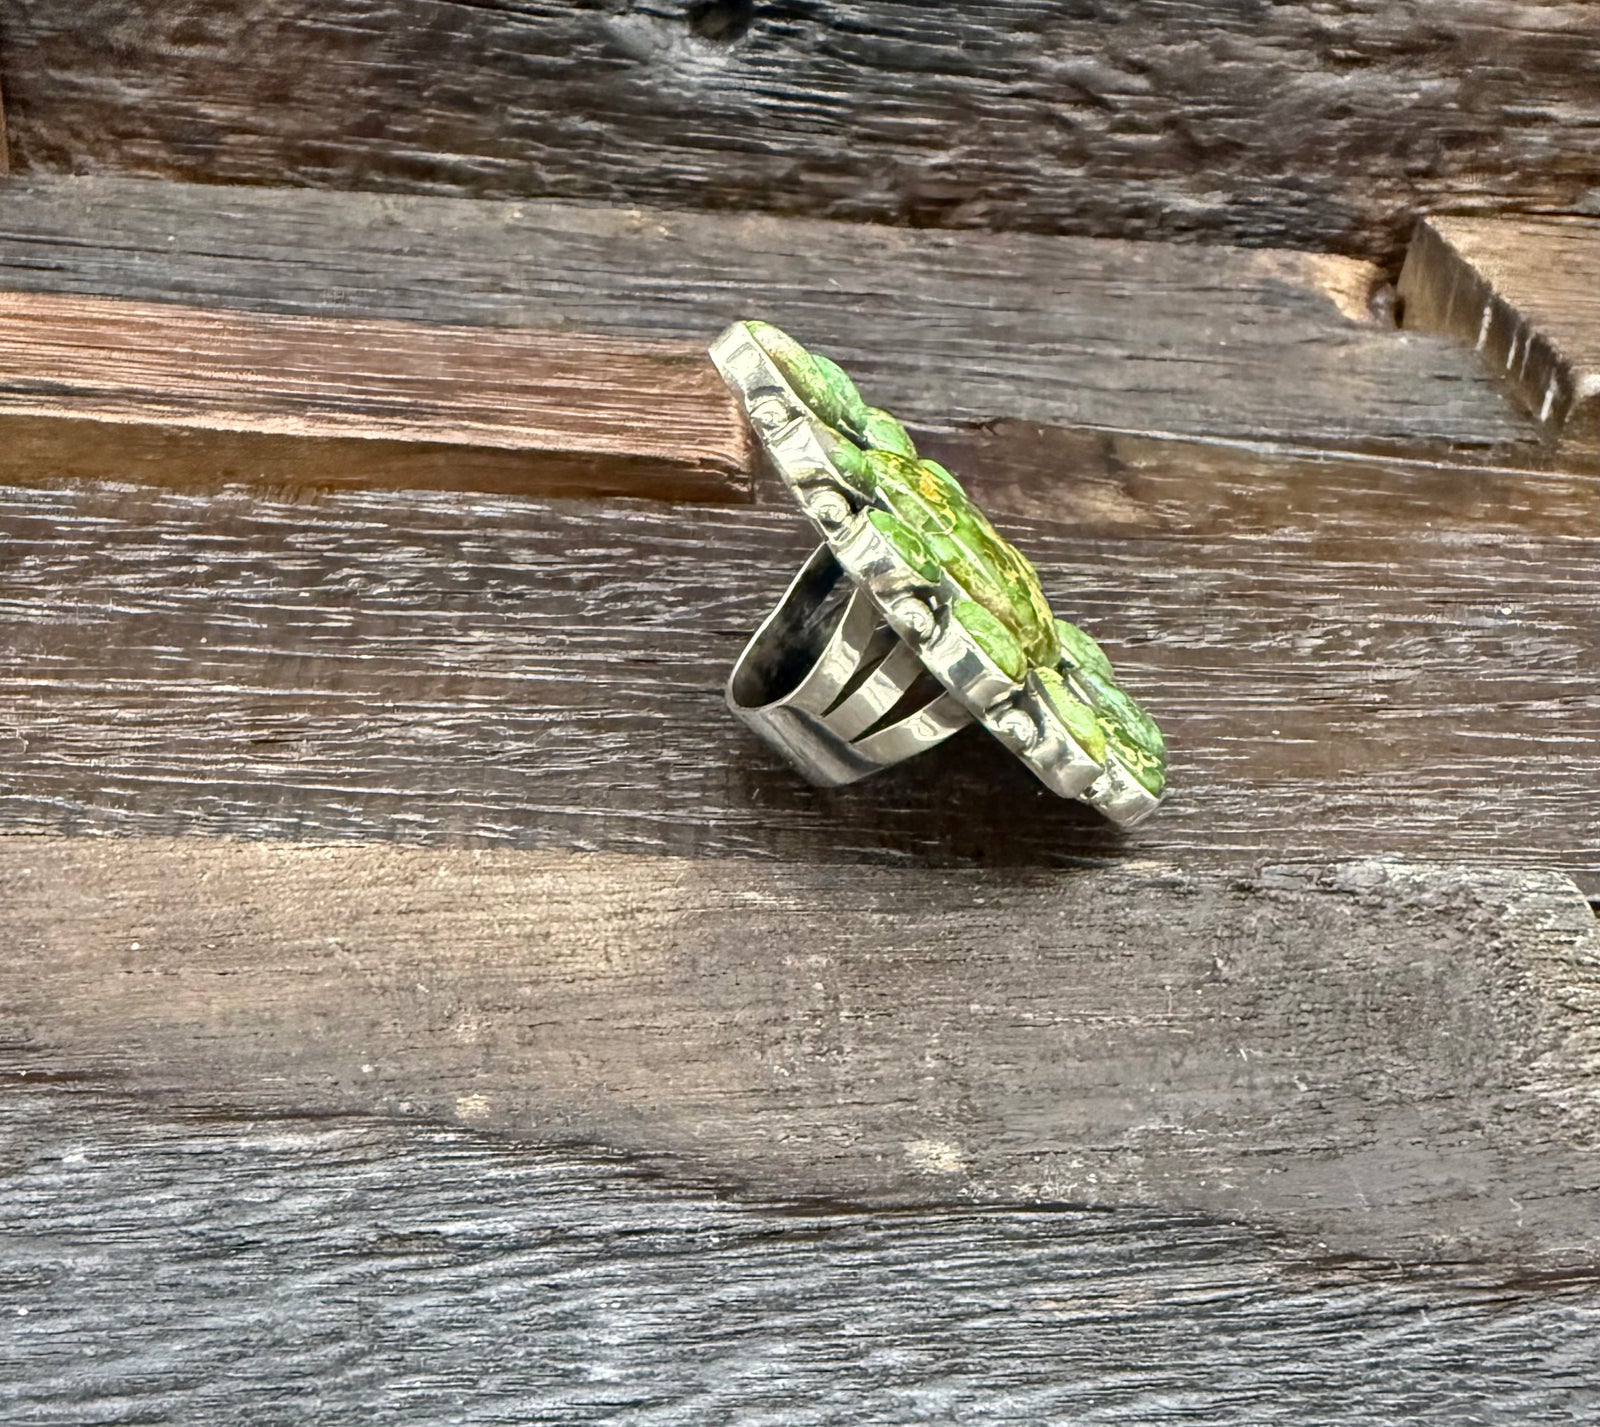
[943, 329]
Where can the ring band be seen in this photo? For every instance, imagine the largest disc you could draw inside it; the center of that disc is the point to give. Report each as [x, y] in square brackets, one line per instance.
[914, 617]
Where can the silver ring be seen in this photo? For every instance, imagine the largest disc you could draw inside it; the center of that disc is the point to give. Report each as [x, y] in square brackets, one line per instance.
[914, 617]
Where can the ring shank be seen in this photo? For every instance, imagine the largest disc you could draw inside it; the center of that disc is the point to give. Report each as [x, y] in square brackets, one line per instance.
[829, 684]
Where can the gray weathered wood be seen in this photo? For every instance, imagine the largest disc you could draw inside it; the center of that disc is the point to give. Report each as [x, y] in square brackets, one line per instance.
[1384, 1058]
[1526, 294]
[198, 1268]
[201, 396]
[940, 327]
[415, 665]
[1326, 126]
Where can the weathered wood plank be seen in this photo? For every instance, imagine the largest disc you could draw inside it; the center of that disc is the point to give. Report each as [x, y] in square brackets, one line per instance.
[1526, 294]
[200, 397]
[493, 670]
[1123, 483]
[205, 1269]
[942, 328]
[1323, 127]
[1384, 1058]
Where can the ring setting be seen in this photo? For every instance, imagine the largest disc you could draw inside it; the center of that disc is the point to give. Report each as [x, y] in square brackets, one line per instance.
[913, 617]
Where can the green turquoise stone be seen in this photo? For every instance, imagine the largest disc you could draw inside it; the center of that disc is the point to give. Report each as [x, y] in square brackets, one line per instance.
[1036, 620]
[947, 483]
[817, 380]
[992, 637]
[1151, 772]
[1131, 732]
[1110, 700]
[778, 344]
[883, 433]
[840, 395]
[907, 544]
[850, 461]
[1074, 715]
[1081, 651]
[930, 500]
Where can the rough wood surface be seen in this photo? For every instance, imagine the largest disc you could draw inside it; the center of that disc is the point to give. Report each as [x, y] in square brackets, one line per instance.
[502, 671]
[1526, 294]
[200, 397]
[943, 328]
[206, 1269]
[1326, 126]
[1386, 1059]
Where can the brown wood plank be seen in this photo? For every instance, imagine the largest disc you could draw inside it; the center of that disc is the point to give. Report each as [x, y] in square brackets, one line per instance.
[400, 665]
[942, 328]
[1127, 483]
[197, 397]
[411, 1275]
[1525, 293]
[1383, 1058]
[1324, 127]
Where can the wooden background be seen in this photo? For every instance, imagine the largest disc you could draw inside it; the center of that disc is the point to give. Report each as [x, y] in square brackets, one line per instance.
[1324, 126]
[422, 1002]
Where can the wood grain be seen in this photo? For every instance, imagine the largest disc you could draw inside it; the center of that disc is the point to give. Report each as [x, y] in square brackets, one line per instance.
[942, 328]
[199, 397]
[1383, 1058]
[1526, 294]
[1324, 127]
[489, 670]
[202, 1268]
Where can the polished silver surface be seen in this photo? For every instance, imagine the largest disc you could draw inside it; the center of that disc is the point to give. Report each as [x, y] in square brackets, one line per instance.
[830, 685]
[859, 626]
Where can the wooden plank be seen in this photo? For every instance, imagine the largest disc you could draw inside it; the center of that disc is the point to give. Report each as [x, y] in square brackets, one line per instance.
[198, 397]
[541, 674]
[1326, 127]
[201, 1268]
[942, 328]
[1383, 1058]
[1525, 293]
[1125, 483]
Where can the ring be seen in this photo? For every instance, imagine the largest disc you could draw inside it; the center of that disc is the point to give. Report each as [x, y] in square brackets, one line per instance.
[913, 617]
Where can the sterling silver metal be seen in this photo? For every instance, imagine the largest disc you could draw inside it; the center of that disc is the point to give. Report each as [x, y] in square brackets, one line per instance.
[861, 665]
[830, 684]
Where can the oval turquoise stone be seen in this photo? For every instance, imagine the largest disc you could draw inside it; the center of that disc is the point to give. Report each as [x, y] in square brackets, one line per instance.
[906, 542]
[839, 395]
[1081, 651]
[1113, 704]
[850, 461]
[1150, 772]
[1072, 713]
[817, 381]
[992, 637]
[776, 343]
[882, 432]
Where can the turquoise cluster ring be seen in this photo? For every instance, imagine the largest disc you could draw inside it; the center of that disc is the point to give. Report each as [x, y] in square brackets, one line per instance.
[914, 617]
